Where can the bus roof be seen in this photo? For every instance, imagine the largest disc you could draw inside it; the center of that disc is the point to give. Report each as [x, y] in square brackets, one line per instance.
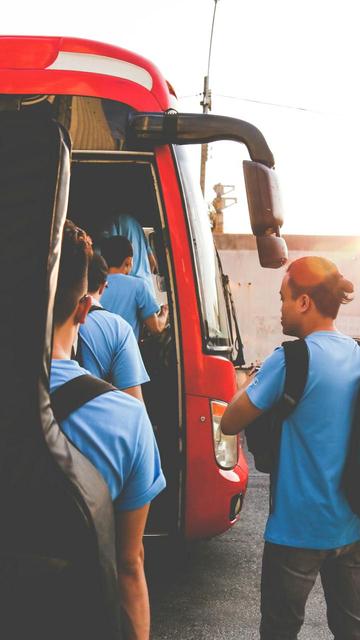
[56, 65]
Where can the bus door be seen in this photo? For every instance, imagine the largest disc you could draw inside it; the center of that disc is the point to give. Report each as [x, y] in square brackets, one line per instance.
[104, 184]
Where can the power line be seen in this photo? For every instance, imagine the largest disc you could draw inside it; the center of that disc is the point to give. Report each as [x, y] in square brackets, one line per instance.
[261, 102]
[270, 104]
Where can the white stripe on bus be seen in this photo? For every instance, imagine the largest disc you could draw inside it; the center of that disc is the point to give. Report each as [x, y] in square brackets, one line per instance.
[92, 63]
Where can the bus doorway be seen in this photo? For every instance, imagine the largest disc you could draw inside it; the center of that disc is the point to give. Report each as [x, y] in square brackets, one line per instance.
[103, 186]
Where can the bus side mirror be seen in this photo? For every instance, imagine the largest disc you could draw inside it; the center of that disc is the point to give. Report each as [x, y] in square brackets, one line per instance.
[272, 251]
[266, 216]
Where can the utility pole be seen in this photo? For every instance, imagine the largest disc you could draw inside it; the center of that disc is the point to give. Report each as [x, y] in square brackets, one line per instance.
[206, 105]
[221, 202]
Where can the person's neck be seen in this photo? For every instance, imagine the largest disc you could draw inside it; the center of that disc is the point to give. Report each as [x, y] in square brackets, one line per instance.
[122, 270]
[95, 295]
[322, 324]
[64, 338]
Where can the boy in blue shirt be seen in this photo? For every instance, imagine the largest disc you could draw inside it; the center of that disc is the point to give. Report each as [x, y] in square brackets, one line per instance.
[112, 431]
[107, 346]
[311, 528]
[130, 296]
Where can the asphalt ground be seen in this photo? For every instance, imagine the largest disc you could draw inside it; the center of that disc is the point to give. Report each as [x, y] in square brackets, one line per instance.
[211, 590]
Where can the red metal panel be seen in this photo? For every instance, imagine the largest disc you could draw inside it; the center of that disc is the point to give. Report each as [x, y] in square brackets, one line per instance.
[28, 52]
[185, 283]
[208, 489]
[23, 62]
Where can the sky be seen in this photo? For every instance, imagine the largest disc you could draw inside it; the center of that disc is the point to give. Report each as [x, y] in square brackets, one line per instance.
[289, 67]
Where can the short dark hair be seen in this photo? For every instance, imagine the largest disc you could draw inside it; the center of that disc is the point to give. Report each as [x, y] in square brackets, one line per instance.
[321, 280]
[76, 250]
[116, 249]
[97, 273]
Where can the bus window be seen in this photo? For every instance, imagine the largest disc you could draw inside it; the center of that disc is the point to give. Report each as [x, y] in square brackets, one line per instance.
[215, 322]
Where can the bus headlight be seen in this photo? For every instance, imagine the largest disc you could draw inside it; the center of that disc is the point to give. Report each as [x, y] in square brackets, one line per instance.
[225, 447]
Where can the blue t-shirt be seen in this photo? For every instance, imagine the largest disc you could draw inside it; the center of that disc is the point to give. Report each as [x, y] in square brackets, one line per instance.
[310, 510]
[130, 298]
[110, 351]
[128, 226]
[113, 431]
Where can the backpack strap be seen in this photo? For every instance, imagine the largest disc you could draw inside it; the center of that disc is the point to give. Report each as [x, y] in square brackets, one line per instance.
[73, 394]
[76, 355]
[350, 481]
[297, 366]
[95, 307]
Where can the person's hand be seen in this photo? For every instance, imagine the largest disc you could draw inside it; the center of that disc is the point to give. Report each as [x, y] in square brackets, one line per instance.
[153, 263]
[164, 310]
[249, 377]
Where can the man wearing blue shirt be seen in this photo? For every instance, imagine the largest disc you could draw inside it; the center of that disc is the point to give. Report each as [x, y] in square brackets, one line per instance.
[144, 262]
[112, 431]
[311, 528]
[107, 346]
[130, 296]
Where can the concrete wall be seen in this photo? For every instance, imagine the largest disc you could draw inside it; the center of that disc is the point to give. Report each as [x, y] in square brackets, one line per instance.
[256, 290]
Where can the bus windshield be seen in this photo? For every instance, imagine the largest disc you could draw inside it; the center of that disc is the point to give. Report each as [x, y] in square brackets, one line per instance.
[213, 307]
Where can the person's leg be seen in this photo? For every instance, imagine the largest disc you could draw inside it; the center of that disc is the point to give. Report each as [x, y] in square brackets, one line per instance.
[340, 575]
[288, 575]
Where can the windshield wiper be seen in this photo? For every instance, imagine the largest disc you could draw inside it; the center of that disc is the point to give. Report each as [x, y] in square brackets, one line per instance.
[239, 360]
[231, 312]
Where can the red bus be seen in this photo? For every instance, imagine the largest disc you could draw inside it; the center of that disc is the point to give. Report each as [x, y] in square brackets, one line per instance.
[127, 153]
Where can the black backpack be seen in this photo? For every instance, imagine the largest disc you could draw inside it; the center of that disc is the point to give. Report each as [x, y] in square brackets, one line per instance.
[263, 435]
[351, 475]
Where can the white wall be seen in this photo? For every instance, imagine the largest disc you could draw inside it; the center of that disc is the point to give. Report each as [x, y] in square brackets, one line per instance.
[256, 290]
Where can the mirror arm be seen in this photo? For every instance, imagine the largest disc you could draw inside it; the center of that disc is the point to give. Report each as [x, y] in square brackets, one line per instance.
[194, 128]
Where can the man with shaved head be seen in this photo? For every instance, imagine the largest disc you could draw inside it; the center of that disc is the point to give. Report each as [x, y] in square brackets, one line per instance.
[311, 528]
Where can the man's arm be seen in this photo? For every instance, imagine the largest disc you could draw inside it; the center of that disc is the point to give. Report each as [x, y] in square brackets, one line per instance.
[135, 392]
[128, 372]
[143, 482]
[265, 392]
[157, 323]
[240, 412]
[134, 597]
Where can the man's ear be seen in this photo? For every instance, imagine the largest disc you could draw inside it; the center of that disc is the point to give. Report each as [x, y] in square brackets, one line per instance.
[101, 288]
[82, 309]
[304, 302]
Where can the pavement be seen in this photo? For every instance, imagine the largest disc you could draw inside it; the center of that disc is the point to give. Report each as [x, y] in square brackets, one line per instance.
[210, 590]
